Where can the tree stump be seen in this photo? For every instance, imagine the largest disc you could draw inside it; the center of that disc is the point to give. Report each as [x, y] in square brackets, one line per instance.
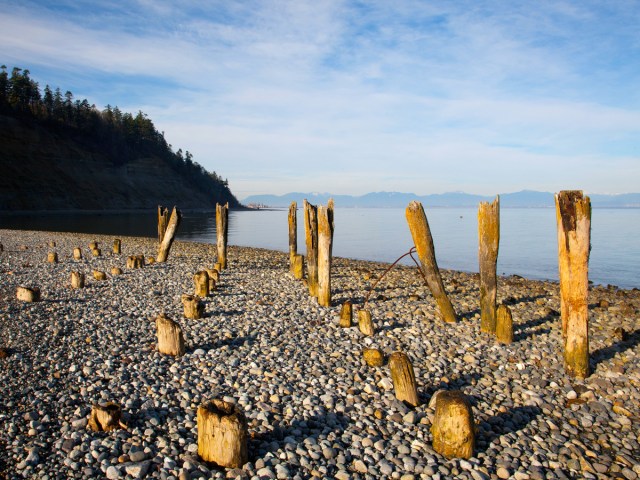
[364, 322]
[373, 357]
[117, 244]
[99, 275]
[193, 306]
[325, 242]
[116, 271]
[213, 276]
[52, 244]
[169, 235]
[170, 337]
[77, 253]
[96, 252]
[573, 215]
[298, 267]
[201, 284]
[106, 417]
[504, 325]
[222, 231]
[453, 426]
[404, 380]
[311, 240]
[421, 234]
[135, 261]
[488, 243]
[52, 257]
[150, 260]
[93, 245]
[346, 314]
[77, 280]
[293, 235]
[27, 294]
[222, 434]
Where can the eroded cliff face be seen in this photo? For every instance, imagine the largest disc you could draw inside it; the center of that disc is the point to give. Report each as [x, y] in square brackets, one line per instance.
[44, 170]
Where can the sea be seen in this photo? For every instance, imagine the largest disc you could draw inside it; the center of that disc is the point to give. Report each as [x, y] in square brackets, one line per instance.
[528, 238]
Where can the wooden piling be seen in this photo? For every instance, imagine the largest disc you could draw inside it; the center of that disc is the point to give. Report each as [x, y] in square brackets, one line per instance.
[311, 240]
[222, 230]
[325, 244]
[77, 253]
[222, 434]
[453, 427]
[193, 306]
[404, 379]
[421, 234]
[77, 280]
[488, 243]
[365, 324]
[106, 417]
[298, 267]
[117, 246]
[52, 257]
[163, 221]
[28, 294]
[169, 235]
[201, 284]
[573, 215]
[504, 324]
[170, 336]
[346, 314]
[293, 235]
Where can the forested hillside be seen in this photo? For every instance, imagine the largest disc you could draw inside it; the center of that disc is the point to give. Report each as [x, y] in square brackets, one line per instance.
[61, 153]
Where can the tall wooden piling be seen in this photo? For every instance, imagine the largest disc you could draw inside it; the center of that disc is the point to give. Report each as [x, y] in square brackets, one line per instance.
[325, 247]
[163, 221]
[573, 215]
[222, 229]
[488, 242]
[169, 235]
[293, 235]
[311, 240]
[404, 379]
[421, 234]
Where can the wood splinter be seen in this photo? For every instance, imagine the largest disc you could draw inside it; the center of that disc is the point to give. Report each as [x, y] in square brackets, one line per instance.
[106, 417]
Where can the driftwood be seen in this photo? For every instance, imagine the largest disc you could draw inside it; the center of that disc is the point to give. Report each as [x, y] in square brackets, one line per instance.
[201, 283]
[453, 426]
[346, 314]
[52, 257]
[135, 261]
[364, 322]
[373, 357]
[222, 434]
[311, 240]
[488, 243]
[99, 275]
[77, 253]
[573, 214]
[77, 280]
[325, 243]
[404, 380]
[28, 294]
[170, 337]
[293, 235]
[504, 324]
[106, 417]
[117, 246]
[421, 234]
[298, 267]
[193, 306]
[222, 230]
[169, 235]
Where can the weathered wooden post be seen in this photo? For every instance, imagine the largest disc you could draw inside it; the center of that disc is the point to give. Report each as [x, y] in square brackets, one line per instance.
[573, 215]
[93, 245]
[163, 221]
[77, 280]
[298, 267]
[99, 275]
[421, 234]
[96, 252]
[77, 253]
[293, 235]
[504, 325]
[28, 294]
[222, 434]
[325, 242]
[170, 337]
[193, 306]
[169, 235]
[135, 261]
[117, 246]
[116, 271]
[453, 427]
[364, 323]
[346, 314]
[201, 284]
[488, 243]
[404, 379]
[222, 229]
[52, 257]
[311, 240]
[106, 417]
[214, 276]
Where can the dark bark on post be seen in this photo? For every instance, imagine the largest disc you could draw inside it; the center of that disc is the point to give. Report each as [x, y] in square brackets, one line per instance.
[222, 230]
[421, 234]
[488, 240]
[311, 240]
[293, 234]
[222, 434]
[404, 379]
[573, 214]
[169, 235]
[453, 426]
[325, 247]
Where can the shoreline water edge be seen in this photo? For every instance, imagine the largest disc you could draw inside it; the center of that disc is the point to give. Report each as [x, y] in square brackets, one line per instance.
[315, 409]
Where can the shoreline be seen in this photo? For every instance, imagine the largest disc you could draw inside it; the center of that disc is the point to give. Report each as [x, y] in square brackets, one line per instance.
[314, 408]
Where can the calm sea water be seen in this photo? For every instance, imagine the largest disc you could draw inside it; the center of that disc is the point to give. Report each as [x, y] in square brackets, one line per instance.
[528, 244]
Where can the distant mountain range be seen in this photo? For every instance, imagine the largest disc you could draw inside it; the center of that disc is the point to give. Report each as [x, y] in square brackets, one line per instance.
[522, 199]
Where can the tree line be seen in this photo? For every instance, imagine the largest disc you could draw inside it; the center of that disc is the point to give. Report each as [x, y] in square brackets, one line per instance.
[122, 136]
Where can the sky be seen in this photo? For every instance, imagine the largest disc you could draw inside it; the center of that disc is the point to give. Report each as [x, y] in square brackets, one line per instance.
[351, 97]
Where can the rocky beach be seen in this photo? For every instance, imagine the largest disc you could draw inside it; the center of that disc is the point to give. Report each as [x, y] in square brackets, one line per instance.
[314, 407]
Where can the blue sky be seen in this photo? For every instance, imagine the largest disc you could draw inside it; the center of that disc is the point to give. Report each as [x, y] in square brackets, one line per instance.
[350, 97]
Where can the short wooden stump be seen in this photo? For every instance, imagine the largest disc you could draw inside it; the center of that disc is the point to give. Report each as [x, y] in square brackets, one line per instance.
[222, 434]
[453, 426]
